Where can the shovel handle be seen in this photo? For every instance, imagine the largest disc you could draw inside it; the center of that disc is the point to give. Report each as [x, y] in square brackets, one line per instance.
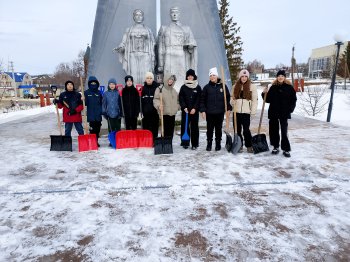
[262, 112]
[86, 129]
[161, 111]
[225, 101]
[54, 89]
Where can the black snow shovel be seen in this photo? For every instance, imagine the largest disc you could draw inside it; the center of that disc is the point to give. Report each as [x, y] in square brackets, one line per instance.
[229, 141]
[237, 142]
[61, 142]
[162, 145]
[259, 142]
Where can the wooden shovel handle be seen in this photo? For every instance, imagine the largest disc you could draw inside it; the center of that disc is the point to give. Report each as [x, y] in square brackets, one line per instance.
[161, 112]
[57, 113]
[86, 128]
[262, 112]
[225, 101]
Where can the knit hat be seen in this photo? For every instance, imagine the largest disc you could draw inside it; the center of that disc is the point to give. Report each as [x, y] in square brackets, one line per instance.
[213, 71]
[66, 83]
[191, 72]
[149, 74]
[93, 82]
[281, 72]
[112, 81]
[243, 72]
[129, 77]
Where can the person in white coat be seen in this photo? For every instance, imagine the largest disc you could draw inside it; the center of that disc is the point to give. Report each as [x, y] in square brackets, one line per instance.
[245, 100]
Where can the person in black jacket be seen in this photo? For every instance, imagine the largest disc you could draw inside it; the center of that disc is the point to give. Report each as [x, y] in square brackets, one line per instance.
[93, 102]
[131, 103]
[189, 98]
[212, 107]
[150, 119]
[282, 98]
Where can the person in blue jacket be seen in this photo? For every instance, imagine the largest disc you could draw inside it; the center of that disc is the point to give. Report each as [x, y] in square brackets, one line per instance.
[93, 102]
[111, 106]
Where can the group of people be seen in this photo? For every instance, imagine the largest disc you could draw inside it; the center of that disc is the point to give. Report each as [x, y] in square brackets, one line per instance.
[163, 100]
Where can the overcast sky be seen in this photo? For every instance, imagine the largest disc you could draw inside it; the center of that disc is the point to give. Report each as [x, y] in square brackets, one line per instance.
[39, 34]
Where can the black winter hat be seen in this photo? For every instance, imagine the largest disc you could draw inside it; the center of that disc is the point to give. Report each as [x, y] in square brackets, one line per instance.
[66, 83]
[191, 72]
[281, 72]
[129, 77]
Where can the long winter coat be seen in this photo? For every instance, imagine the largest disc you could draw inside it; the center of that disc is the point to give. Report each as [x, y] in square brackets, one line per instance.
[147, 98]
[93, 101]
[245, 104]
[189, 96]
[282, 99]
[212, 98]
[131, 102]
[170, 99]
[73, 100]
[111, 104]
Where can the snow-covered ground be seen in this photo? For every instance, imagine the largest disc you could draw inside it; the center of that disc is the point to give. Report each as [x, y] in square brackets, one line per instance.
[131, 205]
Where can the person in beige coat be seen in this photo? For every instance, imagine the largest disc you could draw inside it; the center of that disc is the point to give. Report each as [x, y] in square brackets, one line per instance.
[245, 100]
[170, 104]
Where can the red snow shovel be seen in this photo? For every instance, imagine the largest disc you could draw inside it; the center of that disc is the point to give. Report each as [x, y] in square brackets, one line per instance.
[61, 142]
[86, 142]
[259, 142]
[145, 137]
[125, 138]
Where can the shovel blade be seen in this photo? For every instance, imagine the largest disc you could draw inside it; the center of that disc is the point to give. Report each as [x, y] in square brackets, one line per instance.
[112, 138]
[144, 138]
[126, 139]
[163, 145]
[236, 144]
[87, 142]
[229, 142]
[259, 143]
[61, 143]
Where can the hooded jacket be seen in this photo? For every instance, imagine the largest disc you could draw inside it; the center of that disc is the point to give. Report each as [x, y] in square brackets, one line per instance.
[147, 98]
[68, 100]
[111, 102]
[212, 98]
[282, 99]
[169, 96]
[245, 103]
[131, 102]
[93, 101]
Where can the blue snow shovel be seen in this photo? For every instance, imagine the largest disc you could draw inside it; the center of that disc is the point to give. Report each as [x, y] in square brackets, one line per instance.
[111, 136]
[185, 139]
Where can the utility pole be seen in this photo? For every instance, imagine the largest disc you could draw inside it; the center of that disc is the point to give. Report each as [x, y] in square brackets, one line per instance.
[293, 62]
[13, 77]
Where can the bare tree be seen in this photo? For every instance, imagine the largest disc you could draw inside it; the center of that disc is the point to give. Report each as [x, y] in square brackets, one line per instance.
[314, 100]
[255, 67]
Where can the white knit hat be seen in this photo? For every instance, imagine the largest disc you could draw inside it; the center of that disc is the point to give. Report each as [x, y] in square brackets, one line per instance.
[213, 71]
[243, 72]
[149, 74]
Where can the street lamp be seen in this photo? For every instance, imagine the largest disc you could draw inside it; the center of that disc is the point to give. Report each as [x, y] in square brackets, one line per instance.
[339, 39]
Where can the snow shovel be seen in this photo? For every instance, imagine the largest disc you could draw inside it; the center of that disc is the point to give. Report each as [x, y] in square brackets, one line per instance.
[185, 139]
[229, 142]
[259, 142]
[237, 142]
[125, 138]
[111, 135]
[61, 142]
[145, 137]
[86, 142]
[163, 145]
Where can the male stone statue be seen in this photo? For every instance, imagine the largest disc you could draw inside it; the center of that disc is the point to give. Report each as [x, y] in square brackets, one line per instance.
[177, 48]
[136, 51]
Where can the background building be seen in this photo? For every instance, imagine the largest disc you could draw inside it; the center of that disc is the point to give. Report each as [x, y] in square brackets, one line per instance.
[16, 81]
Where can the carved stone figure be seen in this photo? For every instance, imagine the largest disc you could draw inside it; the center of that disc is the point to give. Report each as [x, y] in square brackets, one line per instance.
[136, 51]
[177, 48]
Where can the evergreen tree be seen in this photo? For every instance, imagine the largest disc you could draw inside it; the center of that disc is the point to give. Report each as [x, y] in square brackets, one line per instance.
[233, 42]
[344, 63]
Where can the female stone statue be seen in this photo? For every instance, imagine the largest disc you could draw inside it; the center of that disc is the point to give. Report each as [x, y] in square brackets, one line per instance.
[136, 51]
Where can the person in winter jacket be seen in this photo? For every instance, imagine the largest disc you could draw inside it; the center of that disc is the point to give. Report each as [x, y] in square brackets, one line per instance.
[245, 99]
[93, 102]
[282, 99]
[150, 119]
[212, 107]
[111, 106]
[131, 103]
[189, 98]
[70, 101]
[170, 104]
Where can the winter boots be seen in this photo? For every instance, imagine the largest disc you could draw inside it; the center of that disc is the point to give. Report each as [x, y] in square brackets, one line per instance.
[217, 145]
[286, 153]
[209, 145]
[275, 151]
